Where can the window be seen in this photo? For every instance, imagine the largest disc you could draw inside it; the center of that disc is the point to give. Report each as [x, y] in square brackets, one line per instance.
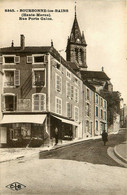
[96, 99]
[69, 110]
[58, 66]
[87, 126]
[101, 103]
[68, 89]
[88, 94]
[58, 105]
[104, 115]
[101, 114]
[96, 125]
[37, 59]
[68, 74]
[96, 111]
[76, 54]
[9, 101]
[76, 113]
[58, 83]
[39, 102]
[76, 94]
[76, 81]
[104, 104]
[39, 77]
[11, 78]
[72, 92]
[9, 59]
[87, 109]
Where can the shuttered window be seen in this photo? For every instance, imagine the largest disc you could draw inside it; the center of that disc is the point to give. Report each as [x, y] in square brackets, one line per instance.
[39, 102]
[11, 78]
[39, 78]
[96, 111]
[9, 59]
[58, 106]
[88, 109]
[76, 113]
[87, 94]
[68, 90]
[76, 94]
[69, 110]
[72, 92]
[58, 83]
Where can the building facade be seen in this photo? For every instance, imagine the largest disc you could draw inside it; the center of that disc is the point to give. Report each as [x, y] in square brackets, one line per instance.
[42, 92]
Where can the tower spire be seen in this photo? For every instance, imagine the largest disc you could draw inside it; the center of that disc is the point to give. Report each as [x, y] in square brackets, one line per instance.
[75, 8]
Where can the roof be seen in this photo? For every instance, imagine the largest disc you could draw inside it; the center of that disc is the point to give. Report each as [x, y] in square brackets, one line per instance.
[38, 50]
[73, 65]
[30, 49]
[76, 34]
[100, 75]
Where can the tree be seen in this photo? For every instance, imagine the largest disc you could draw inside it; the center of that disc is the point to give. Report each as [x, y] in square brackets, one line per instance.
[113, 104]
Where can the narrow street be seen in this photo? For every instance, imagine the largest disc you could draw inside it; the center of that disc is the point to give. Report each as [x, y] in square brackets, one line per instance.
[74, 170]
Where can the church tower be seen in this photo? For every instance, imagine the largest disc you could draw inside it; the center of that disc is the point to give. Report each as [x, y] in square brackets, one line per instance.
[76, 46]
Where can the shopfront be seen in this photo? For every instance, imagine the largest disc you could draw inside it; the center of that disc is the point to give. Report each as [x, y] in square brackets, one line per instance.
[67, 129]
[23, 130]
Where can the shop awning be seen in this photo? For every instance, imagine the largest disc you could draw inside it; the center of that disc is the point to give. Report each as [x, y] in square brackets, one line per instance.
[66, 121]
[39, 118]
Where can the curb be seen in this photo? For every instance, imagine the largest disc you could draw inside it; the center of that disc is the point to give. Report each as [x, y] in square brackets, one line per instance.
[119, 156]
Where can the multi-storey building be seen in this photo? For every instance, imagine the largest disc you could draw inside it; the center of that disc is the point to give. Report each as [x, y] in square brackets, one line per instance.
[42, 91]
[1, 75]
[100, 114]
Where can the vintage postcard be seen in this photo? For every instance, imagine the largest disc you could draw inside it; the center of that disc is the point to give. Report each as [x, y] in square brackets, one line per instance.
[63, 112]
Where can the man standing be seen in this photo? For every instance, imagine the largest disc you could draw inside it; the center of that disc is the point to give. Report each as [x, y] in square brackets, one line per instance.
[104, 137]
[56, 136]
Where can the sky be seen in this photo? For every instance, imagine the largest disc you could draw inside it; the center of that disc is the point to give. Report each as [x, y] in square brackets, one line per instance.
[103, 23]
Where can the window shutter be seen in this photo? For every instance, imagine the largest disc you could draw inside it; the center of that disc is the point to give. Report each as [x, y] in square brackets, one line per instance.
[29, 59]
[90, 110]
[43, 105]
[46, 58]
[17, 59]
[1, 59]
[2, 103]
[17, 78]
[70, 110]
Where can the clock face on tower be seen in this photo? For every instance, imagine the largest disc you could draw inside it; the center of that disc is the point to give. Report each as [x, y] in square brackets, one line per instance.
[78, 40]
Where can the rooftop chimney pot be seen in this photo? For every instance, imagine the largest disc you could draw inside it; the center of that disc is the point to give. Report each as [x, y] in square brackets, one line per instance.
[22, 41]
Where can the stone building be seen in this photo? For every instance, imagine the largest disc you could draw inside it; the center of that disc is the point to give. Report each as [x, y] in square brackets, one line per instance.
[42, 91]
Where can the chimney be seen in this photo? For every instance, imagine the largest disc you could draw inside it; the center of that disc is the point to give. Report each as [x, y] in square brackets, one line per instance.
[51, 43]
[102, 69]
[22, 41]
[12, 44]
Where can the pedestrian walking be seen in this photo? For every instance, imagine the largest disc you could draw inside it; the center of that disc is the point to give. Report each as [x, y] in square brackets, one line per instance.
[104, 137]
[56, 136]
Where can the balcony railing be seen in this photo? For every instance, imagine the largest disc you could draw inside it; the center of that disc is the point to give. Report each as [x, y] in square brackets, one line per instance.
[39, 83]
[9, 83]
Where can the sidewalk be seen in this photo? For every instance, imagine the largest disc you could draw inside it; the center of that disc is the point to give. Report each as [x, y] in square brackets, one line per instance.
[121, 151]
